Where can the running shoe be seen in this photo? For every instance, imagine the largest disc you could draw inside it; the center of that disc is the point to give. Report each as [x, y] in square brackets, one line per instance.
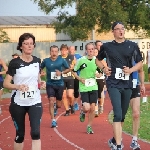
[76, 107]
[89, 130]
[72, 109]
[134, 145]
[82, 116]
[67, 113]
[101, 109]
[54, 124]
[96, 114]
[113, 146]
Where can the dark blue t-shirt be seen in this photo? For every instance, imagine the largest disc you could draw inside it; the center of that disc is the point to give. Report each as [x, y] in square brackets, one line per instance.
[51, 67]
[118, 55]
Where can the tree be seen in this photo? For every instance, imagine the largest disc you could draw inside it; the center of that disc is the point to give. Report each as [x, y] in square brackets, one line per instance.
[134, 13]
[3, 36]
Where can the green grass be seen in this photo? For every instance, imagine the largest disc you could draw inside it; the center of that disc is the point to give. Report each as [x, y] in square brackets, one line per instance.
[144, 130]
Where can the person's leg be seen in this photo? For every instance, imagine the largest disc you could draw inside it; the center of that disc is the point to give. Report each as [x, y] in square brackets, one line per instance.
[149, 74]
[64, 97]
[70, 94]
[85, 105]
[1, 92]
[115, 97]
[135, 106]
[93, 96]
[35, 114]
[51, 97]
[101, 109]
[76, 94]
[18, 116]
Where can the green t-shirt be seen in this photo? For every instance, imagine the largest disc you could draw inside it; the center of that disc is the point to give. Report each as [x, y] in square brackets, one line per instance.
[87, 71]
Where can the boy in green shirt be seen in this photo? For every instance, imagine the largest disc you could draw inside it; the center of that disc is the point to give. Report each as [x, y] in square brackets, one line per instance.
[87, 85]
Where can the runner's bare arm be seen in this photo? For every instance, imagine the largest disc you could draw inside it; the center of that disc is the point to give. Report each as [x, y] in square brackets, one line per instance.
[5, 68]
[7, 83]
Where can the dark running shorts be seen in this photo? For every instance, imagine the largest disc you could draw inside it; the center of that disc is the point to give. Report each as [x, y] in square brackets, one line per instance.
[55, 91]
[136, 92]
[68, 84]
[89, 97]
[1, 85]
[100, 83]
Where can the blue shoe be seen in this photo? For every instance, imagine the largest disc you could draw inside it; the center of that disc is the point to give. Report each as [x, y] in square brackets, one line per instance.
[76, 107]
[134, 145]
[54, 124]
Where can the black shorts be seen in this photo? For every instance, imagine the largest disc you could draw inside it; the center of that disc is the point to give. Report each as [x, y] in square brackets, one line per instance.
[136, 92]
[68, 84]
[100, 83]
[1, 85]
[76, 88]
[55, 91]
[148, 70]
[89, 97]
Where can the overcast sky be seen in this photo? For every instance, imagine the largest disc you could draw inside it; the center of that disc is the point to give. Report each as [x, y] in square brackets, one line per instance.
[24, 8]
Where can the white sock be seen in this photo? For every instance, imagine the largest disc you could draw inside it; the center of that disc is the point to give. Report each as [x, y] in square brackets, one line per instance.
[53, 119]
[134, 138]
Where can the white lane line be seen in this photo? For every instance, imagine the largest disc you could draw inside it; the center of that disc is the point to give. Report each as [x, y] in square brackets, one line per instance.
[4, 105]
[4, 119]
[60, 135]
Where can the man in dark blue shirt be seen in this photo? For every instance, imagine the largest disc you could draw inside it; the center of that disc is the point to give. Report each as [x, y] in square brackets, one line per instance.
[118, 54]
[54, 83]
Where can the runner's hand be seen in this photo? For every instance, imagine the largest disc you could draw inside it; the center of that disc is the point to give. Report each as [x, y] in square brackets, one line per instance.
[107, 71]
[126, 70]
[71, 66]
[58, 73]
[23, 87]
[98, 75]
[142, 89]
[43, 85]
[82, 80]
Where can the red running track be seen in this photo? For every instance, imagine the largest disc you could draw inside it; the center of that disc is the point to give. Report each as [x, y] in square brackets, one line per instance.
[70, 134]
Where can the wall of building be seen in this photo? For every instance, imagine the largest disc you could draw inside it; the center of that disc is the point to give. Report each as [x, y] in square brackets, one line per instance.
[42, 48]
[42, 33]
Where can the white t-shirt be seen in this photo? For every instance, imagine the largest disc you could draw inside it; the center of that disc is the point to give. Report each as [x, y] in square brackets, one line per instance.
[25, 73]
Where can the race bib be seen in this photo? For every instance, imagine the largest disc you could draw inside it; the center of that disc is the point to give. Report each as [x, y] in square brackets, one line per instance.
[30, 94]
[54, 76]
[120, 74]
[67, 74]
[90, 82]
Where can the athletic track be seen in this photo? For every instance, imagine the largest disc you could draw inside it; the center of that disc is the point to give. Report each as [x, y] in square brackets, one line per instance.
[70, 134]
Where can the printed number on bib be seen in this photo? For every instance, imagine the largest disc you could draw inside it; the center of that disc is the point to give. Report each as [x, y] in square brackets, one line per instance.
[120, 74]
[30, 94]
[54, 76]
[67, 74]
[89, 82]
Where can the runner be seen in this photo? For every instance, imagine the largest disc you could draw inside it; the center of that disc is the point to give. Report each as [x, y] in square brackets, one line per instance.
[118, 54]
[98, 44]
[26, 98]
[54, 83]
[100, 82]
[135, 106]
[3, 69]
[15, 55]
[72, 51]
[87, 85]
[68, 96]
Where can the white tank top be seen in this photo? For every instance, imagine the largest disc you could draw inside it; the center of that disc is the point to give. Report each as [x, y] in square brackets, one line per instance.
[148, 58]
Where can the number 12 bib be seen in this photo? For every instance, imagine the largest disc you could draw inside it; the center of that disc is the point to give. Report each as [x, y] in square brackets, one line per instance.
[30, 94]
